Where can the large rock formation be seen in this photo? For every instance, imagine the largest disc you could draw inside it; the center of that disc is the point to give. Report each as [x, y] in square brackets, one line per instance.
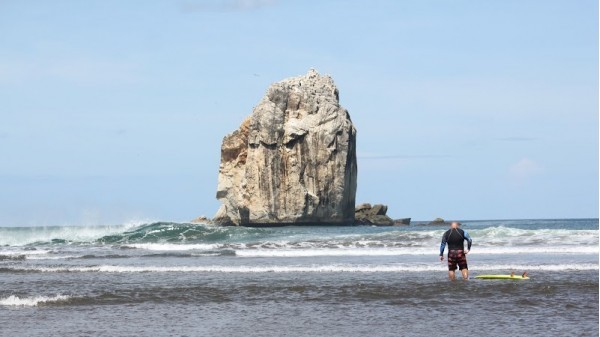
[292, 161]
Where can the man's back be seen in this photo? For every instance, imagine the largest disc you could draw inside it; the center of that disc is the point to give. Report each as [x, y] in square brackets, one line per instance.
[455, 238]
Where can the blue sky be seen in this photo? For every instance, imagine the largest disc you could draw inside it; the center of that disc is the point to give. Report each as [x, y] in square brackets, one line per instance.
[114, 111]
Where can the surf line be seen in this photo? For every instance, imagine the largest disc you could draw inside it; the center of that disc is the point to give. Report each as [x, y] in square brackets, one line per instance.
[290, 269]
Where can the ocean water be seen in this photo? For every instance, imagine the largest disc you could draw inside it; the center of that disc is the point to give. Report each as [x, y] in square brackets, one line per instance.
[172, 279]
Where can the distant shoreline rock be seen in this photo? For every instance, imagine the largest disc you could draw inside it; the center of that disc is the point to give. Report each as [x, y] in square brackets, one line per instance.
[435, 222]
[365, 214]
[402, 222]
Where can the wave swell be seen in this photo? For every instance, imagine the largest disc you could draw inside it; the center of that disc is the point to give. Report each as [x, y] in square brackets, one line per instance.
[203, 240]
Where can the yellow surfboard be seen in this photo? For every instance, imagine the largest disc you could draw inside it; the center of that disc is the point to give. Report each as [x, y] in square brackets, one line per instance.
[502, 277]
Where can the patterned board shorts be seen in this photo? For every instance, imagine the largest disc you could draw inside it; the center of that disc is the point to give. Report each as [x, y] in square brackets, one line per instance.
[457, 257]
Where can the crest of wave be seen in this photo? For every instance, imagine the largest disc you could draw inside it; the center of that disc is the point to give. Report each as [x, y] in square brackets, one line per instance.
[31, 301]
[19, 236]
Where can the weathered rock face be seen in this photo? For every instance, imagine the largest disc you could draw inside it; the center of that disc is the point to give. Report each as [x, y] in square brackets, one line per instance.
[293, 160]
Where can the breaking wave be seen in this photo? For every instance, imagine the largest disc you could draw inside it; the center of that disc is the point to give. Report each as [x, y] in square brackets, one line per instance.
[186, 233]
[21, 236]
[16, 301]
[188, 240]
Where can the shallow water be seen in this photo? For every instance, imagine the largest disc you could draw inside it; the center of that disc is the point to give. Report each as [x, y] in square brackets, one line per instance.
[193, 280]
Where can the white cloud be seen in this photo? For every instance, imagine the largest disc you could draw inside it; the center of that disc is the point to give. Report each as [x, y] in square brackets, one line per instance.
[521, 171]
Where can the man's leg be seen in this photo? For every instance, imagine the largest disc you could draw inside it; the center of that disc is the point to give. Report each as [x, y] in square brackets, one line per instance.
[462, 265]
[452, 265]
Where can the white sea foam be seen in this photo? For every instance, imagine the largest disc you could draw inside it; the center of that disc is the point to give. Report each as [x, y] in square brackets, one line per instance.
[31, 301]
[293, 250]
[338, 268]
[508, 235]
[410, 251]
[53, 257]
[372, 247]
[171, 246]
[13, 252]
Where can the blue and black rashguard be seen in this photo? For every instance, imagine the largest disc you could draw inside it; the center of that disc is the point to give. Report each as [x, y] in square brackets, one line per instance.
[455, 238]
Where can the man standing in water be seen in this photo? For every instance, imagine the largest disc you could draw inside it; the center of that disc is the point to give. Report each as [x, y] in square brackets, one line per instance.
[455, 238]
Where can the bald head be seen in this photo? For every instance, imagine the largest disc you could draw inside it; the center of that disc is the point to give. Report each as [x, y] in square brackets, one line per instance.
[455, 224]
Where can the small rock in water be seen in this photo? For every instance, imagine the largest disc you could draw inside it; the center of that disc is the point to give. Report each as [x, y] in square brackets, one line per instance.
[366, 214]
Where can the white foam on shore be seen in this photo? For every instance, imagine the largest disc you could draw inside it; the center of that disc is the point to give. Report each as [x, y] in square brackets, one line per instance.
[24, 252]
[31, 301]
[285, 249]
[300, 252]
[329, 268]
[409, 251]
[54, 257]
[171, 246]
